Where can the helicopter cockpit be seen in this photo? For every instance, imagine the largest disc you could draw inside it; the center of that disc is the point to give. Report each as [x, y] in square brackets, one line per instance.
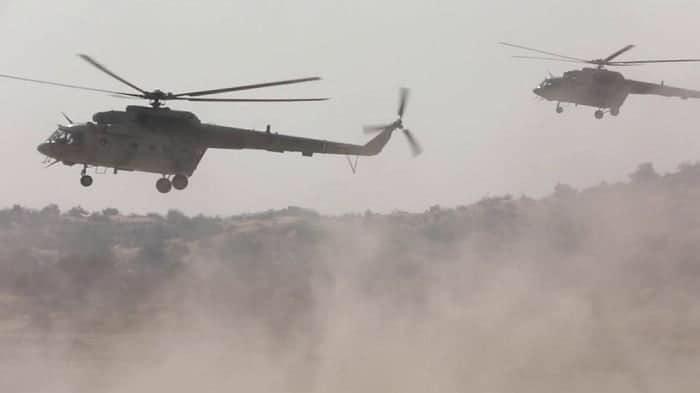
[65, 136]
[549, 82]
[547, 87]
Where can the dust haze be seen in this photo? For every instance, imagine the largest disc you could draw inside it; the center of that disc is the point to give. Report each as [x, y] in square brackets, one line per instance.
[583, 290]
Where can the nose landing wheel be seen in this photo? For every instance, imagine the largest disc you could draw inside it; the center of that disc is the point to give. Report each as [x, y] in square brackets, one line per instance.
[598, 114]
[85, 179]
[163, 185]
[559, 109]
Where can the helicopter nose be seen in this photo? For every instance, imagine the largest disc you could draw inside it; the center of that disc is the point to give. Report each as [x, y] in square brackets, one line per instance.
[45, 149]
[538, 91]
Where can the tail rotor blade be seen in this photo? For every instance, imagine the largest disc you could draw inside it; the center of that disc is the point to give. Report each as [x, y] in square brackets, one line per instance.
[398, 124]
[403, 99]
[416, 149]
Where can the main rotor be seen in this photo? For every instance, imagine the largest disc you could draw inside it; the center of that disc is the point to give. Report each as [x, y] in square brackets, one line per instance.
[600, 63]
[157, 97]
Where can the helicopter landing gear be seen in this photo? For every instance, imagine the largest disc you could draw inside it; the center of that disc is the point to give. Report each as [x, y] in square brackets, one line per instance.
[85, 179]
[615, 111]
[598, 114]
[163, 185]
[559, 108]
[180, 182]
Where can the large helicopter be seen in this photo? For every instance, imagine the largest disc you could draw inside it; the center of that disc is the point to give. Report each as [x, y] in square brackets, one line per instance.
[598, 87]
[171, 143]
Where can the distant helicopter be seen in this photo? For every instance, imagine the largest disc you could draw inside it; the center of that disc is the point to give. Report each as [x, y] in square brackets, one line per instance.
[171, 143]
[598, 87]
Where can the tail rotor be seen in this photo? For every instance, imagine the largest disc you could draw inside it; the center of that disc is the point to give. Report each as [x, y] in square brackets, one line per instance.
[398, 124]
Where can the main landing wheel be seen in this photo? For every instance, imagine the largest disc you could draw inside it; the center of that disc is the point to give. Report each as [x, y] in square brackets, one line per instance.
[598, 114]
[559, 109]
[163, 185]
[614, 111]
[180, 182]
[86, 180]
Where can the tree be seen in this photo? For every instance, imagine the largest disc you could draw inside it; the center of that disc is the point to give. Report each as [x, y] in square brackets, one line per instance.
[645, 172]
[51, 211]
[110, 211]
[563, 190]
[77, 212]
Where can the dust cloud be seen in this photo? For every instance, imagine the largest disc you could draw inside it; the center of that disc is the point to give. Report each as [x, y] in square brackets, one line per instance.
[580, 291]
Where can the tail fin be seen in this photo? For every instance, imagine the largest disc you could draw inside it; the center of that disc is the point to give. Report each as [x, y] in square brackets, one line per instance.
[376, 144]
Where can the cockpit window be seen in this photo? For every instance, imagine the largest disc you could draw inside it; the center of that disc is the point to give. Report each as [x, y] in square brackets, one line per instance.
[66, 137]
[548, 82]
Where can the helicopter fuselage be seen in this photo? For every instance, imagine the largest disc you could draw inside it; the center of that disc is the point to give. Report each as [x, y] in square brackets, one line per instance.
[172, 143]
[599, 88]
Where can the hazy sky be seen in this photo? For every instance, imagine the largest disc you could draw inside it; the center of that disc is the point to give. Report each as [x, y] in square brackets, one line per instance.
[483, 131]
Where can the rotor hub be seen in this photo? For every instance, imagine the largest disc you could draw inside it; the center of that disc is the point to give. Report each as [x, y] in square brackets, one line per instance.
[156, 96]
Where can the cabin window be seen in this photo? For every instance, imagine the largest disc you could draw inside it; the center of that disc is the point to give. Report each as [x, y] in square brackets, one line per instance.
[75, 138]
[134, 146]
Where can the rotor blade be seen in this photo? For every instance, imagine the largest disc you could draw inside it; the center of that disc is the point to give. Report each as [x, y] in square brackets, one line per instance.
[618, 53]
[19, 78]
[110, 73]
[68, 119]
[635, 62]
[616, 64]
[403, 98]
[249, 99]
[541, 51]
[247, 87]
[127, 96]
[549, 59]
[415, 146]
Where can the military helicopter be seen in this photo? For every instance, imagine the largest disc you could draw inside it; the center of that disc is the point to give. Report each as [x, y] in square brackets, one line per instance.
[171, 143]
[598, 87]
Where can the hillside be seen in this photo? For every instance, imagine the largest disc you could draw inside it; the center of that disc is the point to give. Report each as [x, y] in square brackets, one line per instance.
[590, 290]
